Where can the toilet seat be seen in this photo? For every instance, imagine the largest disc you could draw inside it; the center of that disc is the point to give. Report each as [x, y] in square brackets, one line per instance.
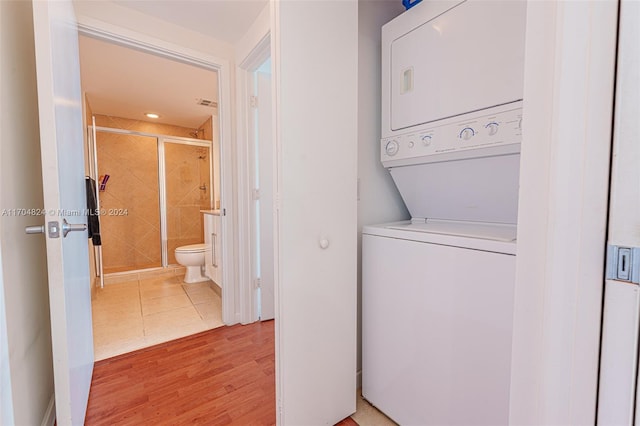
[192, 248]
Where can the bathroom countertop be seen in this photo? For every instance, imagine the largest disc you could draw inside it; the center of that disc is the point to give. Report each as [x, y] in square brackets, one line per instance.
[213, 212]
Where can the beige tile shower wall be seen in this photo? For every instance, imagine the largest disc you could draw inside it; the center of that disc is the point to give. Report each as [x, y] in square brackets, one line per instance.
[130, 223]
[188, 191]
[206, 130]
[185, 173]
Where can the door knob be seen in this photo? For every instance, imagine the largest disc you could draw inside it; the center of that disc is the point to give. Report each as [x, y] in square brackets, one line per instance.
[37, 229]
[68, 227]
[54, 228]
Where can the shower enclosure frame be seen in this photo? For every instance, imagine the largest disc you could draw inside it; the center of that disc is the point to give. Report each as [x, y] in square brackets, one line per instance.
[162, 189]
[162, 140]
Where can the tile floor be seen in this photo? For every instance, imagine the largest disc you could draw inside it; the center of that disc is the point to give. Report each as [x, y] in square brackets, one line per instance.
[368, 415]
[134, 311]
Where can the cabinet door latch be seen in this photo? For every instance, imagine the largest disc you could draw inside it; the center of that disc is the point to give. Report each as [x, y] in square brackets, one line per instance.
[623, 263]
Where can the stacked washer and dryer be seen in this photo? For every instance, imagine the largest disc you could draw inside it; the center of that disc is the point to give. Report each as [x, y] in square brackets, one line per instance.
[438, 290]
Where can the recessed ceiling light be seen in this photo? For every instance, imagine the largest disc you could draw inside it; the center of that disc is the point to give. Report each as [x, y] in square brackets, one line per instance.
[152, 115]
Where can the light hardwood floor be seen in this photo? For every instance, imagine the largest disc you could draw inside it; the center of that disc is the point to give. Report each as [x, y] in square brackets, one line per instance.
[218, 377]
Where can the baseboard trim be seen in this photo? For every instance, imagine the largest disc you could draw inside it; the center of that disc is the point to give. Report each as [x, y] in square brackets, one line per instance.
[49, 418]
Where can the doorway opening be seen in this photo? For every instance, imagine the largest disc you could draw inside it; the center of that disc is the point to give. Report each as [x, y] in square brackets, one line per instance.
[153, 153]
[263, 178]
[257, 178]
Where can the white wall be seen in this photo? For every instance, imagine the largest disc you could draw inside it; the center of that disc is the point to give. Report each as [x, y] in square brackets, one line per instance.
[257, 32]
[568, 99]
[6, 396]
[315, 58]
[379, 200]
[111, 13]
[23, 264]
[6, 400]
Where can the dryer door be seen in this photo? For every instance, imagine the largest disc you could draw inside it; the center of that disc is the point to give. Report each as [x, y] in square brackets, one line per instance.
[466, 59]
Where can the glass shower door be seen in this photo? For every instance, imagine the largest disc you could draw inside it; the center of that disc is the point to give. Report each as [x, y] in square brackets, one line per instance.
[129, 201]
[188, 190]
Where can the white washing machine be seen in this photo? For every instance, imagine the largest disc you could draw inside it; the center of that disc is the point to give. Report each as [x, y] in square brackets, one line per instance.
[437, 291]
[437, 313]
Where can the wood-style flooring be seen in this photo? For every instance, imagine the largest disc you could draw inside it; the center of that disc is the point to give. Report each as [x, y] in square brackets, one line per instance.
[224, 376]
[218, 377]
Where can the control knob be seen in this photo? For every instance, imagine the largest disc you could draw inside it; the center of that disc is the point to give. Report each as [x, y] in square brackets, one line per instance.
[467, 133]
[392, 148]
[426, 140]
[492, 128]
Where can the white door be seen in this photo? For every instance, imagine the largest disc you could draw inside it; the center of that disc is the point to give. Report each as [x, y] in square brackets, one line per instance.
[265, 183]
[60, 110]
[316, 133]
[619, 354]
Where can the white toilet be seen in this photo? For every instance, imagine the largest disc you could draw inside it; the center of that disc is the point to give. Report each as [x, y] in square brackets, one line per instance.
[192, 256]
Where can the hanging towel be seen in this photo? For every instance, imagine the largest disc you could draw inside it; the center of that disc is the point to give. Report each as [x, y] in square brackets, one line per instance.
[93, 219]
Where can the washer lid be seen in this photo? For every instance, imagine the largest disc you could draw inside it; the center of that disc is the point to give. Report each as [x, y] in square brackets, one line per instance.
[193, 248]
[486, 231]
[496, 238]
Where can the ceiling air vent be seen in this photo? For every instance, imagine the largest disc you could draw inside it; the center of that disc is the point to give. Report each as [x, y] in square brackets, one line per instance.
[207, 103]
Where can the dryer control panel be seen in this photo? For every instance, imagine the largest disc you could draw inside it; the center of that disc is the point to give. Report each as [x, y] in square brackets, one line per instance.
[486, 135]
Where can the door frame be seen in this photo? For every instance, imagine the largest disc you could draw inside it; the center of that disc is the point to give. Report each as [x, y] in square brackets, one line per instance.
[132, 39]
[247, 237]
[564, 185]
[618, 396]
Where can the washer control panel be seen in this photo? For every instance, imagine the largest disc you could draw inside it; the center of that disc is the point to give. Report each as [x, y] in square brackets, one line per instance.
[493, 130]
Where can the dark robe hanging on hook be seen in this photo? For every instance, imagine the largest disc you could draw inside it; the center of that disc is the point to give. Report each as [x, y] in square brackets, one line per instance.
[93, 218]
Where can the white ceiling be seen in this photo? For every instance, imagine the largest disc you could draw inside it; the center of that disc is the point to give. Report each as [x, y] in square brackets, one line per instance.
[128, 83]
[225, 20]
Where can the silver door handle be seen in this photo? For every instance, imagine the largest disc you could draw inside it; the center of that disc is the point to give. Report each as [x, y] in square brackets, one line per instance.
[68, 227]
[54, 229]
[214, 251]
[37, 229]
